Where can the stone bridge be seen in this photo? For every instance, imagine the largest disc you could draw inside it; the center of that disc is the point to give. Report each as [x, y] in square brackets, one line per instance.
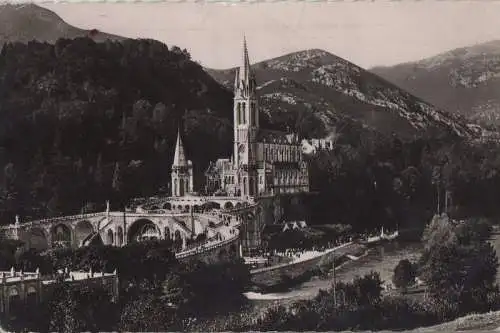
[196, 203]
[225, 229]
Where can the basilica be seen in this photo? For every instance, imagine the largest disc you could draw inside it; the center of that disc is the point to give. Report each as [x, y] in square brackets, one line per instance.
[263, 162]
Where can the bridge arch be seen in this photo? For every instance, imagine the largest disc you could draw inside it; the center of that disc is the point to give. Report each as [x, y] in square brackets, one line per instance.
[150, 232]
[166, 233]
[36, 238]
[140, 227]
[61, 235]
[228, 205]
[110, 239]
[31, 296]
[178, 240]
[119, 238]
[15, 303]
[82, 230]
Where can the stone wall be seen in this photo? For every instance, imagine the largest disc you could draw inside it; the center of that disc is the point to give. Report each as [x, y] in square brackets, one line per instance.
[275, 275]
[220, 252]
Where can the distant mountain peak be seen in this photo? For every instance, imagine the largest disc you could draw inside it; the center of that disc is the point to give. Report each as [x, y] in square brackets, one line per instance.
[462, 81]
[336, 90]
[27, 22]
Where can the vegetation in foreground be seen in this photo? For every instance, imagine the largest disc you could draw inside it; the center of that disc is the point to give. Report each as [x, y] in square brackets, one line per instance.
[458, 265]
[157, 293]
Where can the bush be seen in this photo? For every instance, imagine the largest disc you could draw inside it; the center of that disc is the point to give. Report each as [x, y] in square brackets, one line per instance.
[404, 274]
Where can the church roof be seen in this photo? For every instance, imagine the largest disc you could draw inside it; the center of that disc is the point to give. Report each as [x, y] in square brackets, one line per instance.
[180, 155]
[212, 169]
[271, 136]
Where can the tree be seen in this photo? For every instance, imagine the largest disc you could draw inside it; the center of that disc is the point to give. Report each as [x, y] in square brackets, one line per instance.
[404, 274]
[176, 293]
[460, 274]
[439, 232]
[146, 313]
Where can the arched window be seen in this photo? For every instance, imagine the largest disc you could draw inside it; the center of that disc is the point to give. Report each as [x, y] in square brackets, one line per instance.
[244, 121]
[110, 237]
[175, 187]
[181, 188]
[120, 236]
[255, 114]
[31, 298]
[238, 113]
[14, 300]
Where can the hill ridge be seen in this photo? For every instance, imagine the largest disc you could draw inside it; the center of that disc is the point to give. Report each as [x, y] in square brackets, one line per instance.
[463, 81]
[320, 74]
[28, 22]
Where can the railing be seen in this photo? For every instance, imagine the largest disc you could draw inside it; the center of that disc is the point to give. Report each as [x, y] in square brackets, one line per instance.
[199, 244]
[237, 210]
[200, 249]
[291, 263]
[54, 219]
[119, 214]
[97, 233]
[183, 226]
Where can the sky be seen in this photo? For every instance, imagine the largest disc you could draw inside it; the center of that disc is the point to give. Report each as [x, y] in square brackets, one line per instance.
[367, 33]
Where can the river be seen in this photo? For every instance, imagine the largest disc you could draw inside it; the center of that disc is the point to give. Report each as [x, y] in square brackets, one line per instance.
[381, 258]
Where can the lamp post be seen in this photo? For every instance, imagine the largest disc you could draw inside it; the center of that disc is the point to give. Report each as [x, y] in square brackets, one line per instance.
[334, 282]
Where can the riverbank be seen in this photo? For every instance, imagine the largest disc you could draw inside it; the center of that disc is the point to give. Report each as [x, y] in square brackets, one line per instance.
[302, 268]
[381, 258]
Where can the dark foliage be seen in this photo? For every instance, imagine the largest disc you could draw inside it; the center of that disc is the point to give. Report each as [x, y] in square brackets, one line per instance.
[402, 183]
[404, 274]
[460, 267]
[68, 308]
[82, 120]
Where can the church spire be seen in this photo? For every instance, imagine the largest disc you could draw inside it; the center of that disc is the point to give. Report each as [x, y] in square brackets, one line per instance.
[245, 65]
[179, 156]
[244, 80]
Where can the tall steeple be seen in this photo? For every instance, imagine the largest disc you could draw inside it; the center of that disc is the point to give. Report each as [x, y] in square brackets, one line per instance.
[179, 155]
[244, 83]
[245, 64]
[182, 170]
[246, 126]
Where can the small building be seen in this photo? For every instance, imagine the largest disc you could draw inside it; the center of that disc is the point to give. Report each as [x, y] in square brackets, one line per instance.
[21, 289]
[313, 145]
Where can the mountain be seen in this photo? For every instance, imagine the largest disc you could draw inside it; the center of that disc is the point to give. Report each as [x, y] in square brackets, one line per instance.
[465, 81]
[27, 22]
[336, 91]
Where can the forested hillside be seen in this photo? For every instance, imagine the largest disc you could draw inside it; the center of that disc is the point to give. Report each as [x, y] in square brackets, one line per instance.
[81, 120]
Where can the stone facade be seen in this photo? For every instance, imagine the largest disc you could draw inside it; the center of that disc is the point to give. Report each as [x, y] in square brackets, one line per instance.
[27, 289]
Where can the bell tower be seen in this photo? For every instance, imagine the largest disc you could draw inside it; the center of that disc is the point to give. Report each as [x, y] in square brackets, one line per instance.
[246, 126]
[182, 171]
